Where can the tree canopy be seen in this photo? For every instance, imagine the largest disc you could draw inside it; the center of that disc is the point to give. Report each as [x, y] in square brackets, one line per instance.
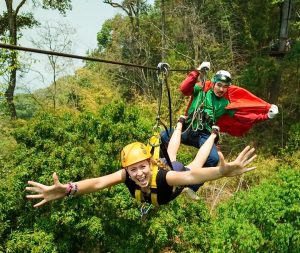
[103, 107]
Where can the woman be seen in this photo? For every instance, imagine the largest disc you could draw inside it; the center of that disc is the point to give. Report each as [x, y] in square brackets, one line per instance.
[148, 180]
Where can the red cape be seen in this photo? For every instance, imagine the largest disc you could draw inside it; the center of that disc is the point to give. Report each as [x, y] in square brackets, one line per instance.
[249, 108]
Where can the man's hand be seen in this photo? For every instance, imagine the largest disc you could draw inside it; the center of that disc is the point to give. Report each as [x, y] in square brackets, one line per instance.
[204, 67]
[182, 119]
[273, 111]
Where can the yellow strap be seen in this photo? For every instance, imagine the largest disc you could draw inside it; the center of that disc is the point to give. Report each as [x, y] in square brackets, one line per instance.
[138, 195]
[154, 143]
[153, 178]
[154, 186]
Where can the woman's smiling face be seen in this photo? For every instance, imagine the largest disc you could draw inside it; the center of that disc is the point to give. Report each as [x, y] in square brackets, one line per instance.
[140, 173]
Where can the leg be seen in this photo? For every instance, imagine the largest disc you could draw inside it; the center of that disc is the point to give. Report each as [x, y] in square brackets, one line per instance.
[166, 136]
[189, 137]
[186, 138]
[213, 157]
[203, 153]
[207, 155]
[174, 143]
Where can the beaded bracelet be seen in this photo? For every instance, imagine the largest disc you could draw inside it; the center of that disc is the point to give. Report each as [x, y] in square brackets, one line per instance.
[71, 189]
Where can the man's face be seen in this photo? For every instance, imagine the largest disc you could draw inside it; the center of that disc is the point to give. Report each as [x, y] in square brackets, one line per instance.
[220, 88]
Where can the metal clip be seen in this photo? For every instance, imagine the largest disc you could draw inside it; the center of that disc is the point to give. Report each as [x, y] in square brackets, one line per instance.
[163, 67]
[145, 209]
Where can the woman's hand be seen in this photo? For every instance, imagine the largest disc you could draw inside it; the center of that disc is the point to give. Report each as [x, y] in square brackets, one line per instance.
[47, 193]
[238, 166]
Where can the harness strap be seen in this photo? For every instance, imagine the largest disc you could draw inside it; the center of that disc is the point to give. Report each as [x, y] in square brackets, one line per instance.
[165, 153]
[138, 195]
[153, 145]
[162, 77]
[153, 187]
[155, 141]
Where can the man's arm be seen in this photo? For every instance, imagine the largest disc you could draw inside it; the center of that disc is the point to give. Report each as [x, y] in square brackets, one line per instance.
[187, 86]
[250, 118]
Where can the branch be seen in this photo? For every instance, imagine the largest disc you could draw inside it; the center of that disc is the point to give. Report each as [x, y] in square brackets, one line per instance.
[19, 6]
[33, 97]
[117, 5]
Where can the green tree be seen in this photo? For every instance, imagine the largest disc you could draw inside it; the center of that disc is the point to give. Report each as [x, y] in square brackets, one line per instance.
[77, 147]
[263, 220]
[56, 37]
[12, 21]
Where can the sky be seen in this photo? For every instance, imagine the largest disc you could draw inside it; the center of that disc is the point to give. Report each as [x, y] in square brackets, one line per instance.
[86, 17]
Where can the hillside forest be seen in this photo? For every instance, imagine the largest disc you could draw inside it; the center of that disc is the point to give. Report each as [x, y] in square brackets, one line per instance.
[78, 124]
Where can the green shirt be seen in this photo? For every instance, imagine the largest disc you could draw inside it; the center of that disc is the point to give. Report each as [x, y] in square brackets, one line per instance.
[213, 107]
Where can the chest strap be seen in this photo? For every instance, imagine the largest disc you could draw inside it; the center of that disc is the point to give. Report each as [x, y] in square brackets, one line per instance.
[153, 146]
[153, 188]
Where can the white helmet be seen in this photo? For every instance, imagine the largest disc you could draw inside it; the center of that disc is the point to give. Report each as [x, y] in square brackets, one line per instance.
[222, 76]
[224, 73]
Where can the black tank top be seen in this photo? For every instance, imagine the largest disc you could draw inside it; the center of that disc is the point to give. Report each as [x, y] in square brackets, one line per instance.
[165, 192]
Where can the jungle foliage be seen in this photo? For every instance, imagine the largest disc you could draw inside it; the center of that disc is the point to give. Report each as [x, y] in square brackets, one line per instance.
[104, 107]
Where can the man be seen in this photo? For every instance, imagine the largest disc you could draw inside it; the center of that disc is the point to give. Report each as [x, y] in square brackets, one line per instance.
[218, 103]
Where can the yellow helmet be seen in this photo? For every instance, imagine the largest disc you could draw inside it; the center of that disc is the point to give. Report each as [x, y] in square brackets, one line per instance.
[134, 153]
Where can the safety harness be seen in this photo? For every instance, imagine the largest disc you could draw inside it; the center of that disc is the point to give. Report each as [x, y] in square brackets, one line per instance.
[154, 143]
[199, 117]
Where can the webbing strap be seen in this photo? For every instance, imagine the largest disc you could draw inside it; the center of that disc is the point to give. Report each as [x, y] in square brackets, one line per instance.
[153, 146]
[162, 77]
[138, 195]
[154, 143]
[153, 187]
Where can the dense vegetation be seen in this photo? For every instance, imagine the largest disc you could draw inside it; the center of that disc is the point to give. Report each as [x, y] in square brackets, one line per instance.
[79, 129]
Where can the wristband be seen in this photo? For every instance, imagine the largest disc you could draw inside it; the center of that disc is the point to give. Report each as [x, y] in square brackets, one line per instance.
[71, 189]
[181, 120]
[216, 131]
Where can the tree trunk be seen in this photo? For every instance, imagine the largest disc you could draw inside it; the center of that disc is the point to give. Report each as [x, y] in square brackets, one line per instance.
[54, 95]
[9, 93]
[275, 88]
[286, 8]
[12, 23]
[283, 36]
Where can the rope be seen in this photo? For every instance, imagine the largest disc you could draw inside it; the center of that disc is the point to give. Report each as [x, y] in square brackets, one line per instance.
[159, 99]
[198, 113]
[48, 52]
[162, 74]
[169, 103]
[163, 71]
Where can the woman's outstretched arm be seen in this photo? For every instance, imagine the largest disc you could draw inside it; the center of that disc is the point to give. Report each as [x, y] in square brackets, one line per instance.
[201, 175]
[59, 190]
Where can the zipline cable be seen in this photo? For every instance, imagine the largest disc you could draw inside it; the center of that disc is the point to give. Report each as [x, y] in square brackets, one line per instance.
[47, 52]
